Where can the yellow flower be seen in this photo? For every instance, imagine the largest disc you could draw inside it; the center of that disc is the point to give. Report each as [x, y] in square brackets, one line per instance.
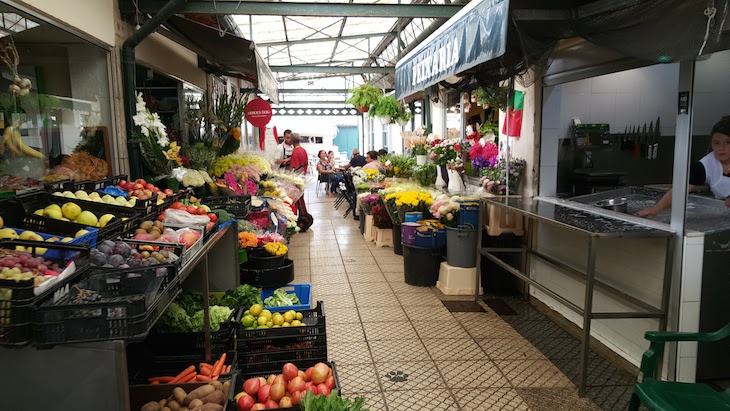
[236, 134]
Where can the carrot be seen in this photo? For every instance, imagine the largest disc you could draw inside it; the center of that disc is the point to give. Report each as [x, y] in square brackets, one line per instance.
[214, 378]
[184, 373]
[205, 365]
[161, 379]
[202, 378]
[155, 382]
[228, 370]
[217, 367]
[190, 377]
[184, 378]
[206, 371]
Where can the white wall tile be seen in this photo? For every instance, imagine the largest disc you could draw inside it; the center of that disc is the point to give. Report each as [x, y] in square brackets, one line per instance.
[604, 84]
[711, 75]
[686, 370]
[578, 87]
[689, 317]
[627, 111]
[551, 104]
[549, 144]
[575, 105]
[603, 108]
[692, 272]
[688, 349]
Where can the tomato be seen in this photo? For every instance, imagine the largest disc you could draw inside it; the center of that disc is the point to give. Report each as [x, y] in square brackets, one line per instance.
[161, 217]
[209, 226]
[178, 205]
[191, 209]
[213, 217]
[201, 210]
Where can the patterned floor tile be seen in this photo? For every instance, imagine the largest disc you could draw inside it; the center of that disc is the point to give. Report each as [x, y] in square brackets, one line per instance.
[544, 329]
[474, 317]
[391, 267]
[533, 373]
[362, 268]
[558, 348]
[385, 331]
[510, 349]
[341, 315]
[472, 374]
[551, 399]
[334, 302]
[611, 398]
[372, 288]
[358, 378]
[493, 327]
[302, 279]
[432, 313]
[354, 250]
[490, 399]
[436, 329]
[322, 277]
[326, 261]
[393, 315]
[355, 260]
[398, 350]
[600, 372]
[374, 401]
[329, 288]
[395, 278]
[403, 288]
[328, 269]
[376, 300]
[419, 299]
[349, 353]
[401, 376]
[420, 400]
[341, 333]
[461, 349]
[368, 277]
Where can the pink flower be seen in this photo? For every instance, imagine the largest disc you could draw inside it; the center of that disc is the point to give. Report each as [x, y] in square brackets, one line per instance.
[457, 147]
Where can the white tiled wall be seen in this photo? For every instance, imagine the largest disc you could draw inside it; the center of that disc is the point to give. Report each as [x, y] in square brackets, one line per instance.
[712, 92]
[689, 314]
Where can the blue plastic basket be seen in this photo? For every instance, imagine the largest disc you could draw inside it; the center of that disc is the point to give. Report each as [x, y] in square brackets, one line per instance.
[469, 214]
[88, 240]
[303, 292]
[429, 237]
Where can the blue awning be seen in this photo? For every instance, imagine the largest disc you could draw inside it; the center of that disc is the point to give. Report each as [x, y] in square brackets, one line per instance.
[477, 34]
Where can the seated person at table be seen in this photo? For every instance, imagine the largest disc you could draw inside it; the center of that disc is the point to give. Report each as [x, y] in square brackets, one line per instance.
[331, 158]
[325, 168]
[372, 161]
[356, 160]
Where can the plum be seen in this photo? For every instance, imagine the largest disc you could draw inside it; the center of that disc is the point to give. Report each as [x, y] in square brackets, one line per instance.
[122, 249]
[124, 266]
[108, 243]
[98, 259]
[134, 262]
[116, 260]
[106, 249]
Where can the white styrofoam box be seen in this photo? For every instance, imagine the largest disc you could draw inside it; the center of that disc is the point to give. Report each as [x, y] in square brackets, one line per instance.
[687, 369]
[689, 317]
[457, 280]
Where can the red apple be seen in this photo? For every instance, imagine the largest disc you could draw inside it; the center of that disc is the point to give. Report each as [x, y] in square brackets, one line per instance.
[201, 211]
[149, 186]
[330, 382]
[323, 389]
[138, 186]
[244, 403]
[188, 238]
[270, 405]
[262, 381]
[129, 186]
[280, 380]
[303, 375]
[213, 217]
[310, 387]
[286, 402]
[277, 391]
[258, 406]
[140, 181]
[251, 386]
[320, 372]
[264, 393]
[296, 384]
[178, 205]
[309, 374]
[169, 192]
[296, 398]
[290, 370]
[191, 209]
[121, 183]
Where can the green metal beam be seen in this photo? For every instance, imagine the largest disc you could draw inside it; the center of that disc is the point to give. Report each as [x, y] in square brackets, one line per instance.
[324, 39]
[330, 69]
[261, 8]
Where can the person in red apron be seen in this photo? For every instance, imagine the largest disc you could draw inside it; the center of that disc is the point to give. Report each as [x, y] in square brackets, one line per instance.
[712, 170]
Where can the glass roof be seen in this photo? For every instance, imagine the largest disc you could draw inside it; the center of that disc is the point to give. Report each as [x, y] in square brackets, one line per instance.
[302, 41]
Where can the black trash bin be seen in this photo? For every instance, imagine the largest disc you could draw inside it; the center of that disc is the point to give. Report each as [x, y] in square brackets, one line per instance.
[397, 245]
[421, 265]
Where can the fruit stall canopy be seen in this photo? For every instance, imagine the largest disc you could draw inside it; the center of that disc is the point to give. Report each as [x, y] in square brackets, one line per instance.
[477, 34]
[231, 55]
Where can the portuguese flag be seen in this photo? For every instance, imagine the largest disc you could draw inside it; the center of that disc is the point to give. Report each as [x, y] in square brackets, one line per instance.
[514, 113]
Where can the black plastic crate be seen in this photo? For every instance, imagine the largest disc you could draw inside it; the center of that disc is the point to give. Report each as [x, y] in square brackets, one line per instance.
[143, 364]
[17, 298]
[61, 185]
[194, 343]
[238, 206]
[210, 233]
[240, 378]
[94, 185]
[41, 199]
[127, 317]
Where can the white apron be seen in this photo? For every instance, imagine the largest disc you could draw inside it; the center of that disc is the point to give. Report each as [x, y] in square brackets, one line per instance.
[719, 183]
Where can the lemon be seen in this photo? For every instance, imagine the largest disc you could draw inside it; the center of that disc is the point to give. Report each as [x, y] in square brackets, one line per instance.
[262, 321]
[246, 312]
[266, 313]
[80, 233]
[67, 239]
[104, 220]
[269, 324]
[289, 317]
[247, 320]
[296, 323]
[52, 213]
[27, 235]
[286, 325]
[262, 327]
[71, 211]
[81, 195]
[277, 319]
[299, 316]
[87, 218]
[256, 310]
[276, 326]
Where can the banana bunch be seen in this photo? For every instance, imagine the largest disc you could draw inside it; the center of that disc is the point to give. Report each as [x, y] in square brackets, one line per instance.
[12, 142]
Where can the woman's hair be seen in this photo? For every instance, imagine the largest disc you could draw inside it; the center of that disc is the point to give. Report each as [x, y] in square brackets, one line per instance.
[382, 152]
[330, 152]
[722, 126]
[320, 153]
[373, 154]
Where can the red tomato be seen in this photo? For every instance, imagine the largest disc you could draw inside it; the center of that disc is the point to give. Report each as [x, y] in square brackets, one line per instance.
[201, 210]
[209, 226]
[161, 217]
[213, 217]
[191, 209]
[178, 205]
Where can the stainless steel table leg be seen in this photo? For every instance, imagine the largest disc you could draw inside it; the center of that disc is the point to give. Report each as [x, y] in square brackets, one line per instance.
[587, 310]
[478, 275]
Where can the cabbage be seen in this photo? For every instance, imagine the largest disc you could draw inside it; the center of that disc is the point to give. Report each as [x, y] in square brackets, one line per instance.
[174, 320]
[218, 314]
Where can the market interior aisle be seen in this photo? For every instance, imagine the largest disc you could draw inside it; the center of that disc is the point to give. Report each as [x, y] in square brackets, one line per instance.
[398, 345]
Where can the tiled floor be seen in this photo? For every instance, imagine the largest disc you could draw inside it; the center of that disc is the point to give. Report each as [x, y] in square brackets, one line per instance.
[400, 348]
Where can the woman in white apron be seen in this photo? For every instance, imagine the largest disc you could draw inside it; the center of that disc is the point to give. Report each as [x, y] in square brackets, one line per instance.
[712, 170]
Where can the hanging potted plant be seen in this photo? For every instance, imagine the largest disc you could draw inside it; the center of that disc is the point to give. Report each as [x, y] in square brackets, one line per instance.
[364, 96]
[403, 117]
[492, 96]
[387, 108]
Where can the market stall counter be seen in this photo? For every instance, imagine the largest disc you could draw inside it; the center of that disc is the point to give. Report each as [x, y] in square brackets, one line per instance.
[601, 237]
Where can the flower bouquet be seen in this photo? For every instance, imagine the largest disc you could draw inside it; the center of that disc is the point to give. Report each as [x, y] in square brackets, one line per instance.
[259, 165]
[443, 151]
[484, 154]
[398, 166]
[416, 141]
[447, 212]
[495, 181]
[381, 218]
[369, 201]
[400, 202]
[425, 174]
[158, 152]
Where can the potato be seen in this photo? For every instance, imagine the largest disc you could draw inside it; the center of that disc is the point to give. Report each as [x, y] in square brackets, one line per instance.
[184, 409]
[151, 406]
[209, 407]
[199, 392]
[216, 384]
[226, 388]
[216, 397]
[165, 409]
[195, 403]
[179, 395]
[173, 405]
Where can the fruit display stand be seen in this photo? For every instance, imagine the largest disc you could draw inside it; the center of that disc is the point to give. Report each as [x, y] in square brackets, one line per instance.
[101, 376]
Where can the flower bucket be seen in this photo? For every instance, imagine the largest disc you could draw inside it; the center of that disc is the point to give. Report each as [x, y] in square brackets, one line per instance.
[362, 221]
[461, 246]
[440, 182]
[421, 265]
[430, 237]
[397, 239]
[469, 214]
[456, 185]
[408, 233]
[421, 159]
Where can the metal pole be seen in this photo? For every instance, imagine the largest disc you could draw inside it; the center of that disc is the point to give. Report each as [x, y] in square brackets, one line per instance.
[482, 209]
[587, 310]
[526, 256]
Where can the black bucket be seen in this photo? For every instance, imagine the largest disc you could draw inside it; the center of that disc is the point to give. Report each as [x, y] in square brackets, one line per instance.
[421, 265]
[397, 245]
[268, 277]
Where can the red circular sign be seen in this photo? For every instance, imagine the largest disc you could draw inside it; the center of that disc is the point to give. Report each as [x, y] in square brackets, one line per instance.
[258, 112]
